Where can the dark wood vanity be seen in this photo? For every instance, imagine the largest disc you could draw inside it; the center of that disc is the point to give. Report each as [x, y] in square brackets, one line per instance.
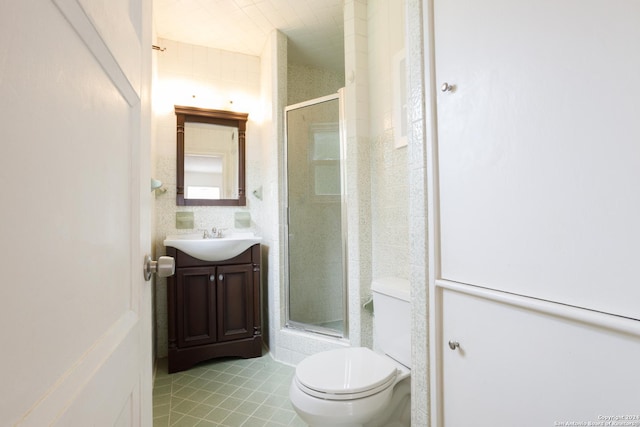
[214, 308]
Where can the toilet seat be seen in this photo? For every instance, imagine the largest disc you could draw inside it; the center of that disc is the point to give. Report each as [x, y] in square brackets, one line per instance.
[345, 374]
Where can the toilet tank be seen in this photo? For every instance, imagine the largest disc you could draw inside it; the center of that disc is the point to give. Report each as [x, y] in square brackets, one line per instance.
[392, 318]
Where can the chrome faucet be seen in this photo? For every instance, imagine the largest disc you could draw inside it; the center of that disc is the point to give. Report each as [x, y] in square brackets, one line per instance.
[215, 232]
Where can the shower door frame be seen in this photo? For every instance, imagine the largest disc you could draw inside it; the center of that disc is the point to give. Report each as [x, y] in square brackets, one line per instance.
[292, 324]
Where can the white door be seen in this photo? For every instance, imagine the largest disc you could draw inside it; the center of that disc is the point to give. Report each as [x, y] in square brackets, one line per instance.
[538, 148]
[74, 224]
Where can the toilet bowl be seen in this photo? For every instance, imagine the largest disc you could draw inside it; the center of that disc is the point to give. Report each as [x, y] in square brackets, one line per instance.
[350, 387]
[356, 386]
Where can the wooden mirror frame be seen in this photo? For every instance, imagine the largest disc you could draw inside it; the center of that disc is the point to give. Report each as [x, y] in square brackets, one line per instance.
[215, 117]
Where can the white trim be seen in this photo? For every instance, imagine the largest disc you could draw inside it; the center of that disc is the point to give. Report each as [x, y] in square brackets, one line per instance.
[433, 217]
[85, 28]
[400, 99]
[591, 317]
[313, 102]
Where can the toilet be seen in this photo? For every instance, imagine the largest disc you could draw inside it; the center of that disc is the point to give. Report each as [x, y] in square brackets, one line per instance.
[356, 386]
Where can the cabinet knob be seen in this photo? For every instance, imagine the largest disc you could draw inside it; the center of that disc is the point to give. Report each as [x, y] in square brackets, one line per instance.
[212, 278]
[446, 87]
[454, 344]
[220, 277]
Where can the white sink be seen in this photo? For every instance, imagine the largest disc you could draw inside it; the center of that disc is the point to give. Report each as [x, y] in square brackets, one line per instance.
[212, 249]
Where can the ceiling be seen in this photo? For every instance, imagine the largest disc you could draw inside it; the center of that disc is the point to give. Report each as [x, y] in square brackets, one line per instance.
[315, 28]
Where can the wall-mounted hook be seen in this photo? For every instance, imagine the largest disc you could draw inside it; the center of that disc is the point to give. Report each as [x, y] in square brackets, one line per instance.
[156, 185]
[258, 193]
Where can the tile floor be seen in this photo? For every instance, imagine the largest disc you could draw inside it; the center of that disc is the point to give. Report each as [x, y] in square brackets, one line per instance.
[225, 392]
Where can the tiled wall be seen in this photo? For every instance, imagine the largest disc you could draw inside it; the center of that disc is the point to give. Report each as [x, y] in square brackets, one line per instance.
[274, 92]
[418, 219]
[389, 178]
[358, 170]
[292, 346]
[305, 83]
[399, 214]
[209, 78]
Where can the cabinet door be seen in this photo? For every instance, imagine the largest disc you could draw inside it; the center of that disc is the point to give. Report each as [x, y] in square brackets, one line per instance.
[522, 367]
[235, 302]
[538, 151]
[196, 323]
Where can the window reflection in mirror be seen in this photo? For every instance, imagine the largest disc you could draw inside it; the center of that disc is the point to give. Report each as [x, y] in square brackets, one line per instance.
[210, 157]
[210, 161]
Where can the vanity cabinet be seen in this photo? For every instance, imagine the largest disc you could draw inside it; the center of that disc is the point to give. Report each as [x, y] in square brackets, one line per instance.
[213, 308]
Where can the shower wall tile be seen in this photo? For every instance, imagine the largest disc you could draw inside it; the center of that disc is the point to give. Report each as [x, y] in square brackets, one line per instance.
[389, 175]
[305, 83]
[358, 169]
[273, 94]
[294, 346]
[418, 220]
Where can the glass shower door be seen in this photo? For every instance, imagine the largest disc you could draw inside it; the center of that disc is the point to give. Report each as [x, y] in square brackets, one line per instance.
[316, 275]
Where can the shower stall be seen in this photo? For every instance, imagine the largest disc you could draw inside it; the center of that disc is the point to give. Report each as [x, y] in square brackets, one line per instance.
[315, 223]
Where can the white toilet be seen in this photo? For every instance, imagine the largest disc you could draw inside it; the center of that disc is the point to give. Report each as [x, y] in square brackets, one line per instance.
[356, 386]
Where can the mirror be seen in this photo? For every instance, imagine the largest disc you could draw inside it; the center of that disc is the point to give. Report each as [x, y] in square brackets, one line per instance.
[210, 157]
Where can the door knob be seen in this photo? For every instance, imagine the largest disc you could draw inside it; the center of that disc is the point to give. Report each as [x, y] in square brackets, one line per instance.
[164, 267]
